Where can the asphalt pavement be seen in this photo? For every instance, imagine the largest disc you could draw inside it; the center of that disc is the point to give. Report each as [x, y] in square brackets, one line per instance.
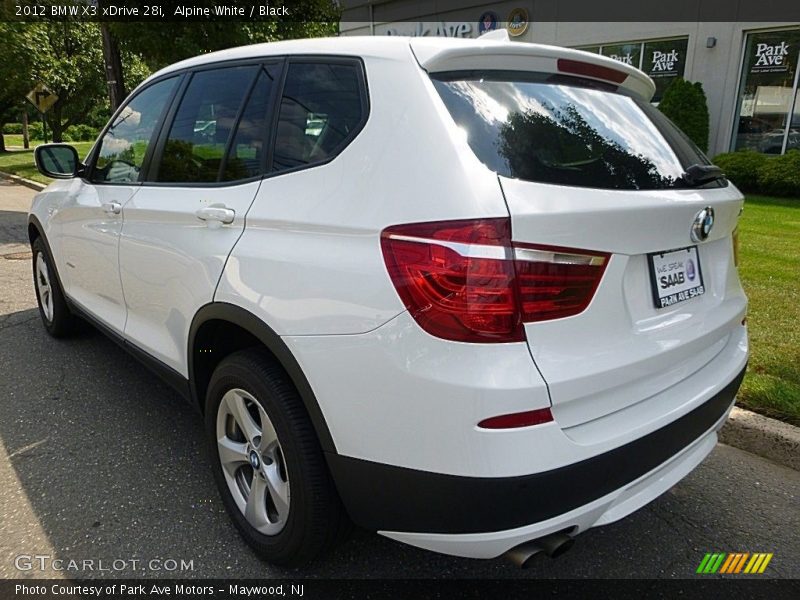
[101, 462]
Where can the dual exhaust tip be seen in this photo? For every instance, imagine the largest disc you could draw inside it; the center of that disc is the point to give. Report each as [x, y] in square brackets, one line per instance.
[553, 545]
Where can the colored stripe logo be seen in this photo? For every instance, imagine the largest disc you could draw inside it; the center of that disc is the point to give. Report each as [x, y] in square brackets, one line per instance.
[734, 563]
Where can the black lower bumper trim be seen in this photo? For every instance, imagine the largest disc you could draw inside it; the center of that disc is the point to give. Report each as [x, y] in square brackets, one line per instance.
[389, 498]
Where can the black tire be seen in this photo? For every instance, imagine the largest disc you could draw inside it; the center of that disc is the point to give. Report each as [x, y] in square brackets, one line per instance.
[316, 518]
[61, 322]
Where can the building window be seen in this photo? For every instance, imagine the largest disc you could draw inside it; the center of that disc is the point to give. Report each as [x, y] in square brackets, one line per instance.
[628, 54]
[663, 60]
[769, 107]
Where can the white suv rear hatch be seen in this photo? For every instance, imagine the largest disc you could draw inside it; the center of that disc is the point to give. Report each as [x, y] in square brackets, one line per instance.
[592, 173]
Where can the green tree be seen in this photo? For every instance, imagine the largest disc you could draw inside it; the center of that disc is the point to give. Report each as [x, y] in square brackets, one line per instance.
[14, 73]
[68, 59]
[685, 104]
[161, 44]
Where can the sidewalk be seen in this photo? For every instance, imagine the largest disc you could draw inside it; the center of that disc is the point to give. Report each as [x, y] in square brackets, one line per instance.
[15, 201]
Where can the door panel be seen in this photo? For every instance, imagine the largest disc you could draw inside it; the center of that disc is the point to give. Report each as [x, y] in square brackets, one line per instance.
[170, 262]
[179, 230]
[91, 217]
[89, 240]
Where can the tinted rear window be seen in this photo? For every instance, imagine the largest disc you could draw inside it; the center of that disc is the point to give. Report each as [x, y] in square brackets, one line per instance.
[560, 133]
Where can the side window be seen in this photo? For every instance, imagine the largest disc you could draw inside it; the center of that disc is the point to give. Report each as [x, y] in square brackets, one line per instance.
[320, 109]
[199, 133]
[246, 152]
[123, 146]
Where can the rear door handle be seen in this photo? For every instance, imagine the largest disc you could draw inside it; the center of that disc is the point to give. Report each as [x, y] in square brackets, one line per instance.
[216, 213]
[112, 208]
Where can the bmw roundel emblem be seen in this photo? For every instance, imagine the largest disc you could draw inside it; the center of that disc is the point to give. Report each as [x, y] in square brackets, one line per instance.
[702, 225]
[255, 461]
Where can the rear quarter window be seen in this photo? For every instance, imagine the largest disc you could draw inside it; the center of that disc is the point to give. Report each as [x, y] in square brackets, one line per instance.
[322, 109]
[555, 132]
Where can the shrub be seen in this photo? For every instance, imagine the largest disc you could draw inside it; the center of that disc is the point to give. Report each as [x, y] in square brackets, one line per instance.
[742, 168]
[35, 130]
[684, 103]
[12, 128]
[80, 133]
[763, 173]
[780, 175]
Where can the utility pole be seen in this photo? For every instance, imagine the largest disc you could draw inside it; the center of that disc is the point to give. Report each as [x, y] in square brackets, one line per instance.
[113, 67]
[25, 139]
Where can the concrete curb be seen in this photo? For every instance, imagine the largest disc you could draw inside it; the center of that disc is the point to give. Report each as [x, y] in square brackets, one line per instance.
[34, 185]
[771, 439]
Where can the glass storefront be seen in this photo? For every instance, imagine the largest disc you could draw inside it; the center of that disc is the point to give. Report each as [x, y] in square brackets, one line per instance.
[663, 60]
[768, 111]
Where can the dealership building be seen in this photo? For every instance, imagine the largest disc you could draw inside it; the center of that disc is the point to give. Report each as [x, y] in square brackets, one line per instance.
[749, 69]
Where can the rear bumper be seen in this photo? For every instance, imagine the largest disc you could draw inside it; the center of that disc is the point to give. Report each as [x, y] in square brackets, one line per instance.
[394, 499]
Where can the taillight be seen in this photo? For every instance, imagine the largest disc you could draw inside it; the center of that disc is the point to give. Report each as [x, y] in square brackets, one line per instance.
[465, 281]
[456, 278]
[556, 282]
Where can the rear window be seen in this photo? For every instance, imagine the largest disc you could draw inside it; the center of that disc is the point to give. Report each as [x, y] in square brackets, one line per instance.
[537, 129]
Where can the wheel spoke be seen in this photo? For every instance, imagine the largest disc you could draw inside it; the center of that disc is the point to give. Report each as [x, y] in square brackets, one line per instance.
[232, 454]
[278, 490]
[268, 434]
[256, 508]
[237, 408]
[41, 270]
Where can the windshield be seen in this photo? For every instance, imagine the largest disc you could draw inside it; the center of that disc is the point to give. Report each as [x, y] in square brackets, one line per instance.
[561, 133]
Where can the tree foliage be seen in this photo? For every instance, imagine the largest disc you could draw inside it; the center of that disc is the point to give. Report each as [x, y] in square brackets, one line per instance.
[160, 44]
[68, 59]
[68, 56]
[14, 73]
[685, 104]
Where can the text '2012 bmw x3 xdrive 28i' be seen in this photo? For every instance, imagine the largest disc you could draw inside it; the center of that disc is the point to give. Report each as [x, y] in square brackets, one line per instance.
[475, 295]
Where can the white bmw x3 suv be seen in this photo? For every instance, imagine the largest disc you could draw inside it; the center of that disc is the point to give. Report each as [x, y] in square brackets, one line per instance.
[477, 296]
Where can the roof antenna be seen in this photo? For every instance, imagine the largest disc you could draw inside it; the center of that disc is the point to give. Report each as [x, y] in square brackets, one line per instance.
[496, 35]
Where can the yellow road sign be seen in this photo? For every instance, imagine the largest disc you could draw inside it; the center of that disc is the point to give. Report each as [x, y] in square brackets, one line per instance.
[42, 98]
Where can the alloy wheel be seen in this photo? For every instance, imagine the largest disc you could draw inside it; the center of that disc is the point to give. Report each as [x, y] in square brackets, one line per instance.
[252, 461]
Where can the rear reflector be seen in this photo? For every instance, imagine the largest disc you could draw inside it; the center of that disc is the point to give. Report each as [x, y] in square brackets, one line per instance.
[577, 67]
[465, 281]
[515, 420]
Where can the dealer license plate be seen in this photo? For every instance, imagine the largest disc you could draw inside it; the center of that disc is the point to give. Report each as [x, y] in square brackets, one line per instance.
[675, 276]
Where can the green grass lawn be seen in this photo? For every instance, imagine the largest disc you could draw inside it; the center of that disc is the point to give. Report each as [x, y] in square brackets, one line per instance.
[769, 266]
[20, 162]
[13, 139]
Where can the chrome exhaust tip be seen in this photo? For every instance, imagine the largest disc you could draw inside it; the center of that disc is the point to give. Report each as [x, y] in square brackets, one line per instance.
[553, 545]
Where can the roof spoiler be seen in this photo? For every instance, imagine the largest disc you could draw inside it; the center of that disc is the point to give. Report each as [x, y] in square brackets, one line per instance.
[494, 51]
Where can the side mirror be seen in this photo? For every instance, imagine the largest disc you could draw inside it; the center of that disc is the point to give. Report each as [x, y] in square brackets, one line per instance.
[59, 161]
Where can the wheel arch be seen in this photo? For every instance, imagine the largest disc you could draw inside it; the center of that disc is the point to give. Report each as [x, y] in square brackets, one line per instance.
[36, 231]
[232, 327]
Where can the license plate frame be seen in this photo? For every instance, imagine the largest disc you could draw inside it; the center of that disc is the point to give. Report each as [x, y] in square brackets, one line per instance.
[667, 267]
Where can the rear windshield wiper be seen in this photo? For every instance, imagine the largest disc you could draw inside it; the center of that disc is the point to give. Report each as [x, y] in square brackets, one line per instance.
[697, 175]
